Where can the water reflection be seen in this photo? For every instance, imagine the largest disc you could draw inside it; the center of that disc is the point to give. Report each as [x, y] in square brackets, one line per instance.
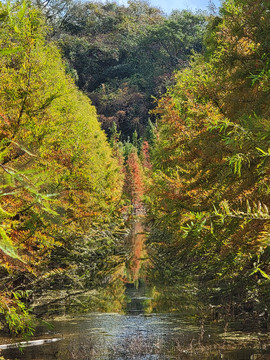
[111, 336]
[141, 337]
[139, 334]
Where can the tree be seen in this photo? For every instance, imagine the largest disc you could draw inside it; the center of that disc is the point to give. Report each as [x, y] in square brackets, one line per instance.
[124, 56]
[58, 179]
[209, 200]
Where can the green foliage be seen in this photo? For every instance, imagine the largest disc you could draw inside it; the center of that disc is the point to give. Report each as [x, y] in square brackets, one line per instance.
[151, 133]
[58, 177]
[135, 139]
[209, 199]
[17, 316]
[125, 55]
[6, 245]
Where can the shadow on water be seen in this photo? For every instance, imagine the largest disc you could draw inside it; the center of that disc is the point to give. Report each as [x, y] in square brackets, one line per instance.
[141, 336]
[138, 333]
[136, 297]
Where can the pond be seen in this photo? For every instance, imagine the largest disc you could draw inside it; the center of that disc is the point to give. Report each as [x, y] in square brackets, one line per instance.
[140, 336]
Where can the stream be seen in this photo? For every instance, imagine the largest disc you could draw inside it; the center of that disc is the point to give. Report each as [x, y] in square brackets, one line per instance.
[138, 333]
[140, 336]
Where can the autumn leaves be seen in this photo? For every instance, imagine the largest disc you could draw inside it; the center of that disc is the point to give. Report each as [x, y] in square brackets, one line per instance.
[57, 174]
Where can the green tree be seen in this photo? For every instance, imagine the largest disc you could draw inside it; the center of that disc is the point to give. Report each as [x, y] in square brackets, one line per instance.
[123, 56]
[58, 179]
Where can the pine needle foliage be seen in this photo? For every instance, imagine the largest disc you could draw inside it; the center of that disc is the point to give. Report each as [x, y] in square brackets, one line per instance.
[210, 197]
[58, 179]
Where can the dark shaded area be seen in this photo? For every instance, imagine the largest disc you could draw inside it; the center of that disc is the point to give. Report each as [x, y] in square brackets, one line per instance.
[123, 57]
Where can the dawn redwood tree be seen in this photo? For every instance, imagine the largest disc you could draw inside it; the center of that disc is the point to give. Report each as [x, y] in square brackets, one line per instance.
[209, 202]
[134, 183]
[58, 180]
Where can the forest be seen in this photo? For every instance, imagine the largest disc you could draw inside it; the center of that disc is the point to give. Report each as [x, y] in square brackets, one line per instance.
[111, 112]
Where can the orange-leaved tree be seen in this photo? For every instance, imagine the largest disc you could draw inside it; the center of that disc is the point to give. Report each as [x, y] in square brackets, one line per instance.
[210, 198]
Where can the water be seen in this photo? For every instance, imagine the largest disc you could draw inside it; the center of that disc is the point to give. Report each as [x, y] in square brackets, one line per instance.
[140, 336]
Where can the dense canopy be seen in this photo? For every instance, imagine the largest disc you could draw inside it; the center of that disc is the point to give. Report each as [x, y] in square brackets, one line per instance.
[184, 101]
[210, 196]
[58, 179]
